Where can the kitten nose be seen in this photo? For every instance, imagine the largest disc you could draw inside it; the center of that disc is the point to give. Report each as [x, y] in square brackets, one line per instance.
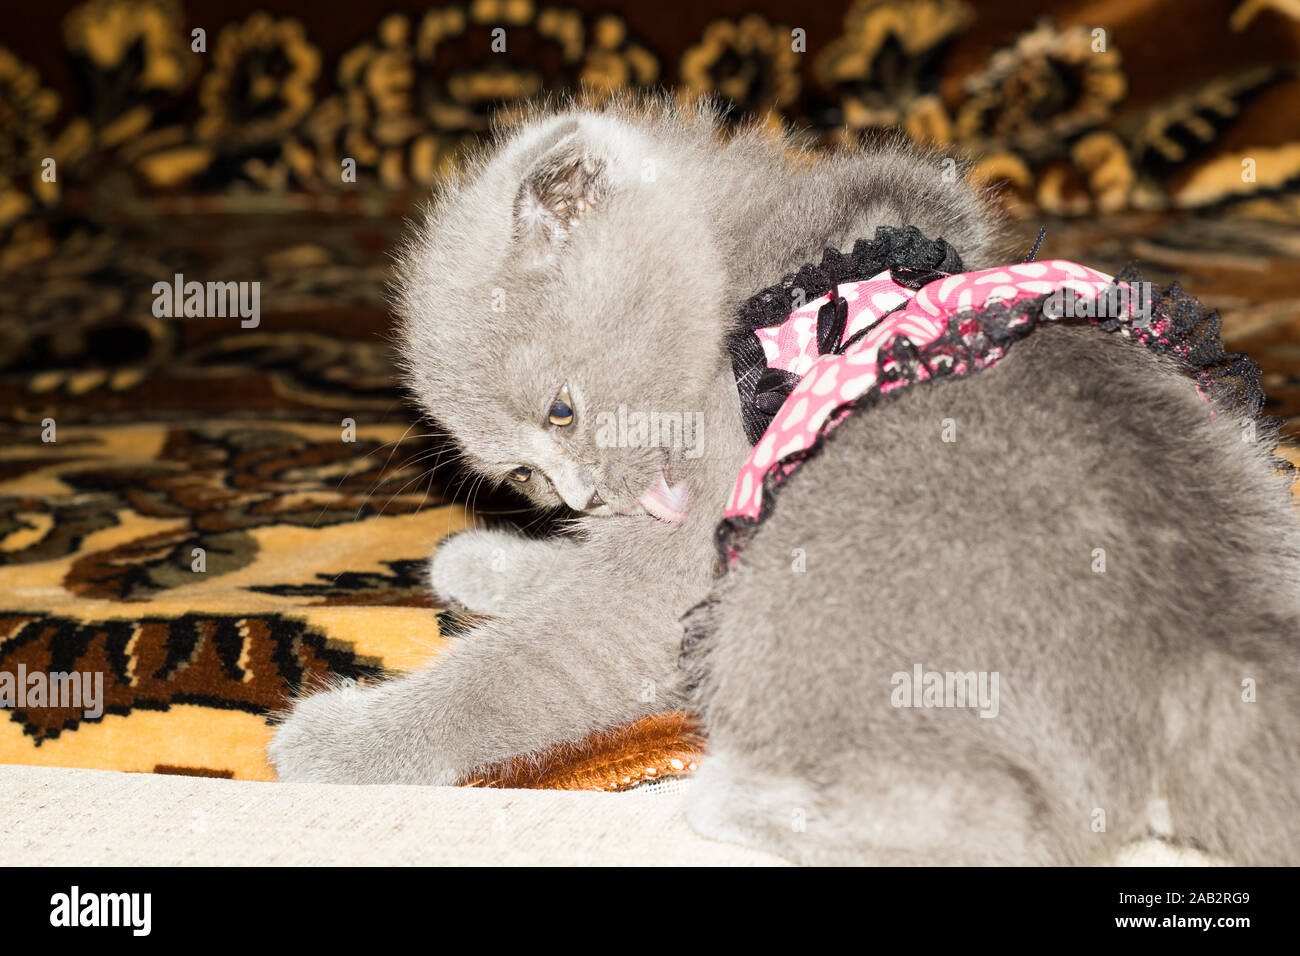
[595, 501]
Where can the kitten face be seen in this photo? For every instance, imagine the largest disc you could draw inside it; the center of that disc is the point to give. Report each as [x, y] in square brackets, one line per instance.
[558, 294]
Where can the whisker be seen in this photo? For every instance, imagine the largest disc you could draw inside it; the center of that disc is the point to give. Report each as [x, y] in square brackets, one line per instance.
[346, 477]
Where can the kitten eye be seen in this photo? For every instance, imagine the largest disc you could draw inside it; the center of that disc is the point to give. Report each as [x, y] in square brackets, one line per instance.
[521, 474]
[561, 410]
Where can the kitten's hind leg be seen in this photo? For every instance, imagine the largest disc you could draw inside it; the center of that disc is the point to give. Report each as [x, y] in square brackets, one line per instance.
[816, 761]
[810, 757]
[1231, 785]
[843, 777]
[909, 811]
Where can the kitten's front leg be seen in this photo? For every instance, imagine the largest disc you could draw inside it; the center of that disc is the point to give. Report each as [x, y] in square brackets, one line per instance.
[484, 570]
[593, 655]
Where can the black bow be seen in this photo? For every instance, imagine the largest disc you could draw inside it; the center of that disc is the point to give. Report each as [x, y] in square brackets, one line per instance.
[912, 259]
[775, 385]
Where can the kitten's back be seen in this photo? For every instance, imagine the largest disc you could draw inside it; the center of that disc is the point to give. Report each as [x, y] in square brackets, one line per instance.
[1118, 687]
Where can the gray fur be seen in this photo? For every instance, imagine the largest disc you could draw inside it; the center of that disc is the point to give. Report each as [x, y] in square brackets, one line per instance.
[615, 245]
[1118, 689]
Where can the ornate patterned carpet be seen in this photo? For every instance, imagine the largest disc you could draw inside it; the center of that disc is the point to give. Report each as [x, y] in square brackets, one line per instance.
[224, 513]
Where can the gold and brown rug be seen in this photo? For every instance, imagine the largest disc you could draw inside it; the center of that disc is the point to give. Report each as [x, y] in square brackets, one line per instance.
[208, 515]
[203, 570]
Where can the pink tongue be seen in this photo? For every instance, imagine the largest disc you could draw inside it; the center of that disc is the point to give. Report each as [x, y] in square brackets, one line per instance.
[667, 503]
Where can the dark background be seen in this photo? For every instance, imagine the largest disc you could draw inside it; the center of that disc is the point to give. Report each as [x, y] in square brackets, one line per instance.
[225, 164]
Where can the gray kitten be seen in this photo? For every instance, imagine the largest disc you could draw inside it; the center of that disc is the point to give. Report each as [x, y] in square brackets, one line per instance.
[592, 261]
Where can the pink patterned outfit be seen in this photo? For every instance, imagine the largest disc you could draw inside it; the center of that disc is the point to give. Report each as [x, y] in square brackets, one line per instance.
[921, 318]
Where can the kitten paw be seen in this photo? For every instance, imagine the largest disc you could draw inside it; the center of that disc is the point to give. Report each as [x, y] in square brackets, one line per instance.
[338, 736]
[474, 569]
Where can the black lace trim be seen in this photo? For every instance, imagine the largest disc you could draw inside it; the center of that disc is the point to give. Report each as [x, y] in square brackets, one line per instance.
[910, 256]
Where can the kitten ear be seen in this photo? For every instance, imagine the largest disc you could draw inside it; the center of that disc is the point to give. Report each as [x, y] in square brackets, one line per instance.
[556, 192]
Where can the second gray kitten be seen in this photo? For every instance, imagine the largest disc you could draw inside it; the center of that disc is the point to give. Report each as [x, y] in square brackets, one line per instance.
[592, 260]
